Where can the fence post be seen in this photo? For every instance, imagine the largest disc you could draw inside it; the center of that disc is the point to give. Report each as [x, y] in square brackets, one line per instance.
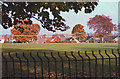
[119, 61]
[41, 64]
[12, 64]
[27, 64]
[75, 63]
[109, 63]
[89, 64]
[68, 64]
[95, 64]
[62, 65]
[55, 65]
[82, 63]
[20, 64]
[115, 62]
[34, 65]
[6, 69]
[102, 64]
[48, 65]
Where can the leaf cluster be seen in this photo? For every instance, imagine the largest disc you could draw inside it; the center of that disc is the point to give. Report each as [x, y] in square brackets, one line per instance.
[12, 12]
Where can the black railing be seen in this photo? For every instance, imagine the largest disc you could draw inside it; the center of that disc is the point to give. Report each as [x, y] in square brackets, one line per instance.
[67, 65]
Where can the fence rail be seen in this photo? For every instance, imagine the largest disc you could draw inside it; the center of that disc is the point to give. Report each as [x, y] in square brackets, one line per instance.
[61, 65]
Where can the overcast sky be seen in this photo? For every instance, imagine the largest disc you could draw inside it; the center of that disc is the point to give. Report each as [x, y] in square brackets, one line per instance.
[106, 8]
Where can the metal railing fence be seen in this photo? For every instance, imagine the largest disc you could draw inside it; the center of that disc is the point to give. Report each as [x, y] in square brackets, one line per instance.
[73, 65]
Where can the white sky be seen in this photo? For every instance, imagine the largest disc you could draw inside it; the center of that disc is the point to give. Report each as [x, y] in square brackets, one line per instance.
[109, 0]
[104, 7]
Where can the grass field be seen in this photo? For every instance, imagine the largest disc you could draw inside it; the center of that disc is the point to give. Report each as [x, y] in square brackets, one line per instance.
[62, 47]
[59, 47]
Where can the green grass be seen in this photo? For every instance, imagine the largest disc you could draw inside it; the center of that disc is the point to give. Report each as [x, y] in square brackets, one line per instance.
[62, 47]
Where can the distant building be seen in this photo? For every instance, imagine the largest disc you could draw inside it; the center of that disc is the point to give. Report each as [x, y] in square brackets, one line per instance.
[55, 36]
[116, 39]
[111, 39]
[92, 40]
[72, 39]
[68, 35]
[62, 36]
[68, 38]
[56, 39]
[41, 40]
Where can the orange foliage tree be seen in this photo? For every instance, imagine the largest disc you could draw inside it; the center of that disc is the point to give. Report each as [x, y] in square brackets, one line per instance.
[56, 40]
[25, 32]
[79, 32]
[102, 25]
[47, 41]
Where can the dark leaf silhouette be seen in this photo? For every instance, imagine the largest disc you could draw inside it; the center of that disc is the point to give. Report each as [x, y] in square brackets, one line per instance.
[39, 10]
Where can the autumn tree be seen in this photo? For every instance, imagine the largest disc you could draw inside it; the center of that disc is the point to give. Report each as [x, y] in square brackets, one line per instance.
[12, 12]
[56, 39]
[47, 41]
[79, 32]
[24, 32]
[102, 25]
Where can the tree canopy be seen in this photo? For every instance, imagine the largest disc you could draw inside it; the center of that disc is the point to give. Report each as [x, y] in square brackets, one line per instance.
[102, 25]
[12, 12]
[22, 30]
[79, 32]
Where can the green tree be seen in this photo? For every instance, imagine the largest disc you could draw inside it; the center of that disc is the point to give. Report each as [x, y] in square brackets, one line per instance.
[12, 12]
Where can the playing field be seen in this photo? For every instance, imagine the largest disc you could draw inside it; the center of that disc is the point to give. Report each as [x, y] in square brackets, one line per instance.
[48, 47]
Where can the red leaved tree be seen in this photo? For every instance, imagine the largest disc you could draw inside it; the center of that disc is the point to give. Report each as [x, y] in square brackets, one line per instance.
[25, 32]
[79, 32]
[102, 25]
